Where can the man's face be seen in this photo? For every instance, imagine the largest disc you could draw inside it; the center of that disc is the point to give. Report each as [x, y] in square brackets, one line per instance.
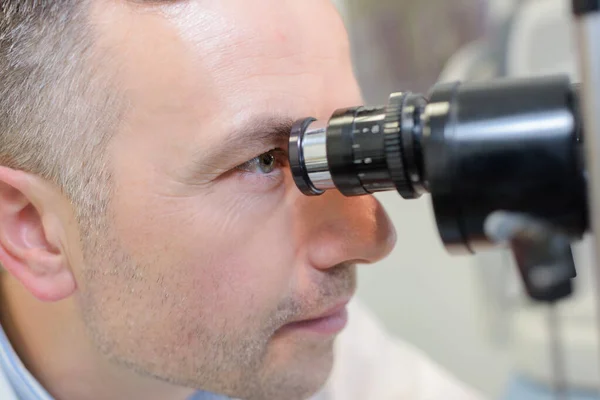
[209, 251]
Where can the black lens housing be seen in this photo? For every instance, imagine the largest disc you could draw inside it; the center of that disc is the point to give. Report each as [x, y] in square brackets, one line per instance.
[507, 145]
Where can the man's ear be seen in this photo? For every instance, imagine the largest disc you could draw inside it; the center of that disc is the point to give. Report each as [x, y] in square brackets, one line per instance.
[30, 236]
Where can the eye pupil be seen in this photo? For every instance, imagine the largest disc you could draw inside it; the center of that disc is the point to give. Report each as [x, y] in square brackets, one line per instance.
[267, 162]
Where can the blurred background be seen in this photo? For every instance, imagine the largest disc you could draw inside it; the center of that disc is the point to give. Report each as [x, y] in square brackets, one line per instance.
[469, 314]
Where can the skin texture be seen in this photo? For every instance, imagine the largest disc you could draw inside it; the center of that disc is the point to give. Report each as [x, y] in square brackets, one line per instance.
[187, 280]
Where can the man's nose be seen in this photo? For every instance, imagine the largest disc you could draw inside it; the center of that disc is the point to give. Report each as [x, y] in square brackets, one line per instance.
[346, 230]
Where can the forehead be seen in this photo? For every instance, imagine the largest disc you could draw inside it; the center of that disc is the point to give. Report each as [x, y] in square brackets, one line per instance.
[227, 53]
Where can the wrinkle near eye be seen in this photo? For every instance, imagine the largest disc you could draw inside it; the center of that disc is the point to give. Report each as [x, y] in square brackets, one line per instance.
[257, 135]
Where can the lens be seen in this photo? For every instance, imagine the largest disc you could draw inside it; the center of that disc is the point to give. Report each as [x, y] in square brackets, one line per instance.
[362, 150]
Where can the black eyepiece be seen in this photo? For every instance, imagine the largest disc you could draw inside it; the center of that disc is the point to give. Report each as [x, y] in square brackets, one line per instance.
[361, 150]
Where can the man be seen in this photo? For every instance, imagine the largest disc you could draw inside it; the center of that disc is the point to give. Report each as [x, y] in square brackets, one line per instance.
[153, 240]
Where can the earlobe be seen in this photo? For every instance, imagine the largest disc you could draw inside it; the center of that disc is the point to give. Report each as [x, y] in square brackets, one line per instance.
[42, 283]
[27, 251]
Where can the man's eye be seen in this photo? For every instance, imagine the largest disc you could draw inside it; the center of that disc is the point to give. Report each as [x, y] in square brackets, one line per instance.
[265, 163]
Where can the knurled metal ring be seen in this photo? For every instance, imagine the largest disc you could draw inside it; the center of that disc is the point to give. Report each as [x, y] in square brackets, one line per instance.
[394, 148]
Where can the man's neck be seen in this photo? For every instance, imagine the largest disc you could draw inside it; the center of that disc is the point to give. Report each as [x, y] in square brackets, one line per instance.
[52, 343]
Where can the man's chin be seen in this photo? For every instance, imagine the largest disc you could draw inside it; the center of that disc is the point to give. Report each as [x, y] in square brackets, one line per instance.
[299, 385]
[294, 367]
[298, 381]
[297, 370]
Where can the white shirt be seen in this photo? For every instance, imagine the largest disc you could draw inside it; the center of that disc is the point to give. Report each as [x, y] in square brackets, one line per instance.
[369, 365]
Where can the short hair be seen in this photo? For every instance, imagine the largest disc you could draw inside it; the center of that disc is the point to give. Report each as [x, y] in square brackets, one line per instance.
[58, 108]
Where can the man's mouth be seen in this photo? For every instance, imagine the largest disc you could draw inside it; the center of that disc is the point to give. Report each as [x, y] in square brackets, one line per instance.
[329, 322]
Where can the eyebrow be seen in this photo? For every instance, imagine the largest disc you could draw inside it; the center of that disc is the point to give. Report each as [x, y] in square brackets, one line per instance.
[256, 136]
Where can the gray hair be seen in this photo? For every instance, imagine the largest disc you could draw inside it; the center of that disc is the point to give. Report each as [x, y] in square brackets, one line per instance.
[58, 108]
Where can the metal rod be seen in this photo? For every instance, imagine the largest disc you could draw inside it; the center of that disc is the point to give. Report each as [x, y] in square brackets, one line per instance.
[559, 379]
[588, 35]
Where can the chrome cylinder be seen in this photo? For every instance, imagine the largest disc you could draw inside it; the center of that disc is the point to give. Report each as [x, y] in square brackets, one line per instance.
[315, 155]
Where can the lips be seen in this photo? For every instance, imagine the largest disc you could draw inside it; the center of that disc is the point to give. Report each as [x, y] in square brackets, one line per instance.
[328, 322]
[336, 308]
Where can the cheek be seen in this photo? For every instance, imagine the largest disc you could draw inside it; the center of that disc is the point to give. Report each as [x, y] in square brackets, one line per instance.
[223, 255]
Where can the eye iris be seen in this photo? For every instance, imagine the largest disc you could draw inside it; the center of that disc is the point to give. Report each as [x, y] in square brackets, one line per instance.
[267, 163]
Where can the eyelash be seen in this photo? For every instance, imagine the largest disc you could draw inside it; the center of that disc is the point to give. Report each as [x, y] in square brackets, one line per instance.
[279, 159]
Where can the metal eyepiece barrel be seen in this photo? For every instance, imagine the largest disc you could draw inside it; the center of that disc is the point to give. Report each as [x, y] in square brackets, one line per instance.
[310, 164]
[360, 150]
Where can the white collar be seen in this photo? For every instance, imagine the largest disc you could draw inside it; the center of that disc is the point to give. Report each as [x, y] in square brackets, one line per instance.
[26, 387]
